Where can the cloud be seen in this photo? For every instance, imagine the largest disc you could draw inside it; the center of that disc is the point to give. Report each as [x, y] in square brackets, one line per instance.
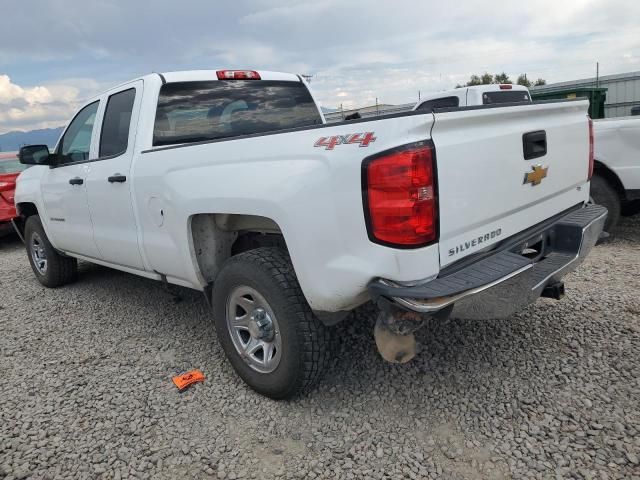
[11, 93]
[357, 51]
[41, 106]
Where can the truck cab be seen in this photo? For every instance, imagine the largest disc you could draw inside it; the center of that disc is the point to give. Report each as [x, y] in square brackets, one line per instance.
[492, 94]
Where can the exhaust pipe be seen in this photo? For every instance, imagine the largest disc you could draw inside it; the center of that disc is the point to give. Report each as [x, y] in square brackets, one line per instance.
[394, 334]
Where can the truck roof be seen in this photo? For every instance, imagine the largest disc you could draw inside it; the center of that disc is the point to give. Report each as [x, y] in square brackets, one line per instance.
[204, 75]
[471, 95]
[200, 76]
[492, 87]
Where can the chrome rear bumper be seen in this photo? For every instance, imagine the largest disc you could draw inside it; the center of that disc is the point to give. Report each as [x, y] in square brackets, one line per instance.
[502, 283]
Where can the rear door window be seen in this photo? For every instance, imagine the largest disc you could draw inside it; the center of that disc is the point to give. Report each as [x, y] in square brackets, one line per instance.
[199, 111]
[114, 138]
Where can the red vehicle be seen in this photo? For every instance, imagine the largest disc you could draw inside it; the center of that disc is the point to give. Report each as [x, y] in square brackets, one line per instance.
[10, 168]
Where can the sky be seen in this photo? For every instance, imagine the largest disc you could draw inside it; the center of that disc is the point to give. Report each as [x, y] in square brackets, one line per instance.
[55, 54]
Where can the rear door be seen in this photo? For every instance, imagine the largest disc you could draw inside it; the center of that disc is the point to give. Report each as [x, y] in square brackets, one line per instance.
[502, 170]
[109, 179]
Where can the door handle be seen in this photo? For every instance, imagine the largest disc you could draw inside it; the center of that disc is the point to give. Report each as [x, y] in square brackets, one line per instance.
[117, 178]
[76, 181]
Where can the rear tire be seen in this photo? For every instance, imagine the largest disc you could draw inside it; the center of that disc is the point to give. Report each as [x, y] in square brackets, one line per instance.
[603, 193]
[50, 267]
[266, 280]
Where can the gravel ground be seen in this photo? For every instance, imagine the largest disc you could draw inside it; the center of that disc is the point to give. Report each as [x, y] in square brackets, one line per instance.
[86, 388]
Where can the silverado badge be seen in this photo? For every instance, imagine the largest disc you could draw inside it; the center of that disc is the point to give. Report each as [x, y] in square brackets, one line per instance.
[536, 175]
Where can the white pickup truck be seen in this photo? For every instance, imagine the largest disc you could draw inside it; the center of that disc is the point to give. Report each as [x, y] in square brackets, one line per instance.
[491, 94]
[616, 179]
[229, 182]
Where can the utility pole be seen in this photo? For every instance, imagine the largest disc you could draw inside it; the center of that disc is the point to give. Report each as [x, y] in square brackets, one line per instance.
[418, 95]
[377, 111]
[597, 74]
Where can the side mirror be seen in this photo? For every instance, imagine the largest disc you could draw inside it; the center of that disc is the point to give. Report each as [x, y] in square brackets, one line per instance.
[35, 155]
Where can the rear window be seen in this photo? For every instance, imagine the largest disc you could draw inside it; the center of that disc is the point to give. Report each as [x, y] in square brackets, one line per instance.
[198, 111]
[505, 96]
[446, 102]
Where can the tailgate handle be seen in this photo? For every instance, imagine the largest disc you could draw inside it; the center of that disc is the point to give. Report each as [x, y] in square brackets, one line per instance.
[534, 144]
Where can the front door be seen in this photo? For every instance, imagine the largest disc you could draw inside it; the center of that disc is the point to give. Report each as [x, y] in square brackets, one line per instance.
[67, 218]
[109, 179]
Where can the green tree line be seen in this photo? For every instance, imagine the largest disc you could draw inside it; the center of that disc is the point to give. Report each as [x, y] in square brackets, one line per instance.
[487, 79]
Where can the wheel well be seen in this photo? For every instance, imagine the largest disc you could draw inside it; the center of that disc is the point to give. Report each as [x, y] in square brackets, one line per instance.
[251, 240]
[217, 237]
[25, 210]
[609, 175]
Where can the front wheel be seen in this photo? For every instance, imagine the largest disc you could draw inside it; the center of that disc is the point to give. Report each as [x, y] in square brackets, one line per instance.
[50, 267]
[265, 326]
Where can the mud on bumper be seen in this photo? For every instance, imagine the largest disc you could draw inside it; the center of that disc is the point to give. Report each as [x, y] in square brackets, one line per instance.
[501, 282]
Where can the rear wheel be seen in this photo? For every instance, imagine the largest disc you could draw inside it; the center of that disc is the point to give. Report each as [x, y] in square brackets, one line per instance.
[603, 193]
[265, 326]
[50, 267]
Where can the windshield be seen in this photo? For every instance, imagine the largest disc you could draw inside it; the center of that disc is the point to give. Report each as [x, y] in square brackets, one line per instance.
[11, 165]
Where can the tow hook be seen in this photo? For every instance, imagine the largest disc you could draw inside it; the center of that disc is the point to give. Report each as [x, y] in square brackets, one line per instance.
[394, 333]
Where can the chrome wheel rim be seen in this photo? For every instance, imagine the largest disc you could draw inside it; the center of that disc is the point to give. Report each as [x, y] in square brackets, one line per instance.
[38, 254]
[254, 329]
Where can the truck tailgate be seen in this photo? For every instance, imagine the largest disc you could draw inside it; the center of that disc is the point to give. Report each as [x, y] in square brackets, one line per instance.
[488, 191]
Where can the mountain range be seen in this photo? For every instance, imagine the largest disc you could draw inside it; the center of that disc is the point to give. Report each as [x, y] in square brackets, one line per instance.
[12, 141]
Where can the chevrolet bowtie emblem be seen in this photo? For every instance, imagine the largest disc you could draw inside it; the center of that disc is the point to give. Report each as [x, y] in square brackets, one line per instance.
[536, 175]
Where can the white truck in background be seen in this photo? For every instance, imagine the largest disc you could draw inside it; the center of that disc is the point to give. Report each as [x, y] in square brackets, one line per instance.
[616, 180]
[230, 182]
[491, 94]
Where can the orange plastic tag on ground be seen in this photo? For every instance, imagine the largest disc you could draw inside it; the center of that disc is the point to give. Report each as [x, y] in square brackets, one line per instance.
[186, 379]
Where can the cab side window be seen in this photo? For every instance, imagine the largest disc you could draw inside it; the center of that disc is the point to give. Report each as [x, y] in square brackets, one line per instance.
[114, 138]
[76, 142]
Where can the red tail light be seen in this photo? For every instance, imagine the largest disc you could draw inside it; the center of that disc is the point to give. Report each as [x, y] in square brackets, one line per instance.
[237, 75]
[399, 190]
[590, 149]
[506, 86]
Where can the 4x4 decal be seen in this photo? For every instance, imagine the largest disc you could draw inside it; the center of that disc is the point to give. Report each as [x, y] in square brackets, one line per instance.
[364, 139]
